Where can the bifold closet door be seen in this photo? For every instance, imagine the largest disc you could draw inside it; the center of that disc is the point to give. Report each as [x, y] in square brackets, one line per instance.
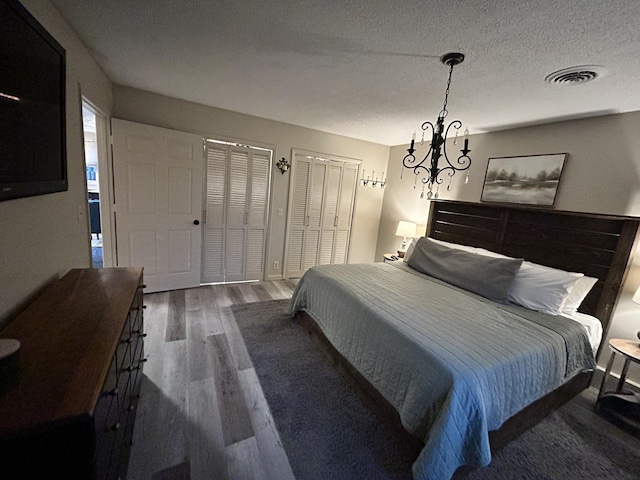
[258, 217]
[237, 213]
[348, 184]
[236, 227]
[301, 181]
[320, 212]
[330, 213]
[306, 214]
[215, 220]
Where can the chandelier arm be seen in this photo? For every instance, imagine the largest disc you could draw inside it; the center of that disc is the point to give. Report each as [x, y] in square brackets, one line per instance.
[425, 126]
[463, 160]
[409, 161]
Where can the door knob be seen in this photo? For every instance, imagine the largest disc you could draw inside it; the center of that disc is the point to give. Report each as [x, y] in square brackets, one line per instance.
[196, 222]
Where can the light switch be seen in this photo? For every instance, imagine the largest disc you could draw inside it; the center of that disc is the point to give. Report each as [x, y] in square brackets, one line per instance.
[280, 212]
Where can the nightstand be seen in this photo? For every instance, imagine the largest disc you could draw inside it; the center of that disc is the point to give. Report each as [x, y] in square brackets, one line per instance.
[390, 257]
[630, 350]
[621, 407]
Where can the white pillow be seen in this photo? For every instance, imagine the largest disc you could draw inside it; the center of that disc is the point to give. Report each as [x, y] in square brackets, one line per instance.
[578, 293]
[410, 248]
[541, 288]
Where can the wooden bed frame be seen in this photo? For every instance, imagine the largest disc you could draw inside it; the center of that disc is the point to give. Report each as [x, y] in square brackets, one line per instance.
[599, 246]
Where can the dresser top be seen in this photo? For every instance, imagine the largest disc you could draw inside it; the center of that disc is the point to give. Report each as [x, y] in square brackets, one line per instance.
[67, 336]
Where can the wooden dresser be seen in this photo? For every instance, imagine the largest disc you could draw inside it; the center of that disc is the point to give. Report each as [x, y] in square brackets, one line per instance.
[71, 413]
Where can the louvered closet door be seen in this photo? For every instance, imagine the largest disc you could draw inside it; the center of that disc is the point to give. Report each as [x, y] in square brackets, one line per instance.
[319, 170]
[348, 185]
[214, 228]
[237, 208]
[301, 171]
[321, 210]
[330, 213]
[237, 213]
[260, 168]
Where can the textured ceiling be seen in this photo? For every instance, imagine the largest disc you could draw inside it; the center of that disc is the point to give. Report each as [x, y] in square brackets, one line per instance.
[370, 69]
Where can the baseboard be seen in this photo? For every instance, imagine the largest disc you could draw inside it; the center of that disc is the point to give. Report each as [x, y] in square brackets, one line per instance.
[596, 380]
[272, 278]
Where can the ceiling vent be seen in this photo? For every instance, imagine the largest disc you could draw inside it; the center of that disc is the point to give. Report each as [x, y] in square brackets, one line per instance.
[576, 75]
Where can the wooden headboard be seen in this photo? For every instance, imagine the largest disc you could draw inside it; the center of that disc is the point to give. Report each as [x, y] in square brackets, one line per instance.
[599, 246]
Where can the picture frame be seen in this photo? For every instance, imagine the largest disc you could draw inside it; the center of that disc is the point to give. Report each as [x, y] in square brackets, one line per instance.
[527, 179]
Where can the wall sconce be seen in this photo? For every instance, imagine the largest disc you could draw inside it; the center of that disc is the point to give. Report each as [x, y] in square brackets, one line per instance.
[373, 181]
[283, 165]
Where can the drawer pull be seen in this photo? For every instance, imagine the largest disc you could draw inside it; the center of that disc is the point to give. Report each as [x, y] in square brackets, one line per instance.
[127, 340]
[114, 427]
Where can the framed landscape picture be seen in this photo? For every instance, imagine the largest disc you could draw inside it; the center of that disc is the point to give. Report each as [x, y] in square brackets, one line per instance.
[531, 180]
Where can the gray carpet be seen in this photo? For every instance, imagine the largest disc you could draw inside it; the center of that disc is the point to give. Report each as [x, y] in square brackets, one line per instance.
[329, 433]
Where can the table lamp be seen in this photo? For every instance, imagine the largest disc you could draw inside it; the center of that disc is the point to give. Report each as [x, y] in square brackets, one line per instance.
[405, 229]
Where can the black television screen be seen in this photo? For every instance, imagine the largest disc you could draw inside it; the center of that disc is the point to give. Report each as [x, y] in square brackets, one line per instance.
[32, 106]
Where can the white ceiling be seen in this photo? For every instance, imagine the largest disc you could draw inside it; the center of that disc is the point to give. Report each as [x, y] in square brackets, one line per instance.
[370, 69]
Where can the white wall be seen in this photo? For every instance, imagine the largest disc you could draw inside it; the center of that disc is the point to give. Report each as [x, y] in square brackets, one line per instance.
[153, 109]
[601, 175]
[43, 237]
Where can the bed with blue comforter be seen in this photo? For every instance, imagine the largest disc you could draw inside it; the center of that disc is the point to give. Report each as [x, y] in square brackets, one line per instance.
[455, 365]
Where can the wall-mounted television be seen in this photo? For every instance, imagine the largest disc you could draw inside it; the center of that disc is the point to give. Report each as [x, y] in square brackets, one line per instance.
[33, 158]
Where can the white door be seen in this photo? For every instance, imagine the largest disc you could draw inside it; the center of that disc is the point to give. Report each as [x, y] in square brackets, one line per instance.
[158, 203]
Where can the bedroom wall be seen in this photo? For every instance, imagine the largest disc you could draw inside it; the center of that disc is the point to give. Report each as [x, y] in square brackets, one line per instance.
[601, 175]
[154, 109]
[43, 237]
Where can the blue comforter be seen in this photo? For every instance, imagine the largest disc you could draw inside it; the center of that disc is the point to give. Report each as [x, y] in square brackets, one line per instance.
[454, 365]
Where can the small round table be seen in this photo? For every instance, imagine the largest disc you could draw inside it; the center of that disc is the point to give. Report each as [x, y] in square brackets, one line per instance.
[630, 350]
[388, 257]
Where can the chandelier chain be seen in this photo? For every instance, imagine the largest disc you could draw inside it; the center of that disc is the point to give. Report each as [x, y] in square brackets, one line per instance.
[446, 92]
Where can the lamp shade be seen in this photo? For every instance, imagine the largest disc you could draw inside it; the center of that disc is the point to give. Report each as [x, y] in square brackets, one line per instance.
[406, 229]
[636, 296]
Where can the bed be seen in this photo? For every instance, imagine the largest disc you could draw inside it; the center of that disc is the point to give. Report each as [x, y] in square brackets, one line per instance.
[461, 372]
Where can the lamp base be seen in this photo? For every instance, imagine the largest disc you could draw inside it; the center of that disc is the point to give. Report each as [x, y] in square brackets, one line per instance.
[401, 253]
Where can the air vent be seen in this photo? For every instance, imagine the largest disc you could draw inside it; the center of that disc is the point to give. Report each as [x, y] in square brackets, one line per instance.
[575, 75]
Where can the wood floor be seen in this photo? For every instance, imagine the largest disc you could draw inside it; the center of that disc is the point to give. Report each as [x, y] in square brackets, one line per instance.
[202, 413]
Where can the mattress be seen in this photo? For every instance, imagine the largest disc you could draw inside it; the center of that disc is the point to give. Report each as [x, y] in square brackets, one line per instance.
[453, 364]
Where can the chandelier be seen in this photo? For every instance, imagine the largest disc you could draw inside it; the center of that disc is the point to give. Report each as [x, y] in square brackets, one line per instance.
[429, 168]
